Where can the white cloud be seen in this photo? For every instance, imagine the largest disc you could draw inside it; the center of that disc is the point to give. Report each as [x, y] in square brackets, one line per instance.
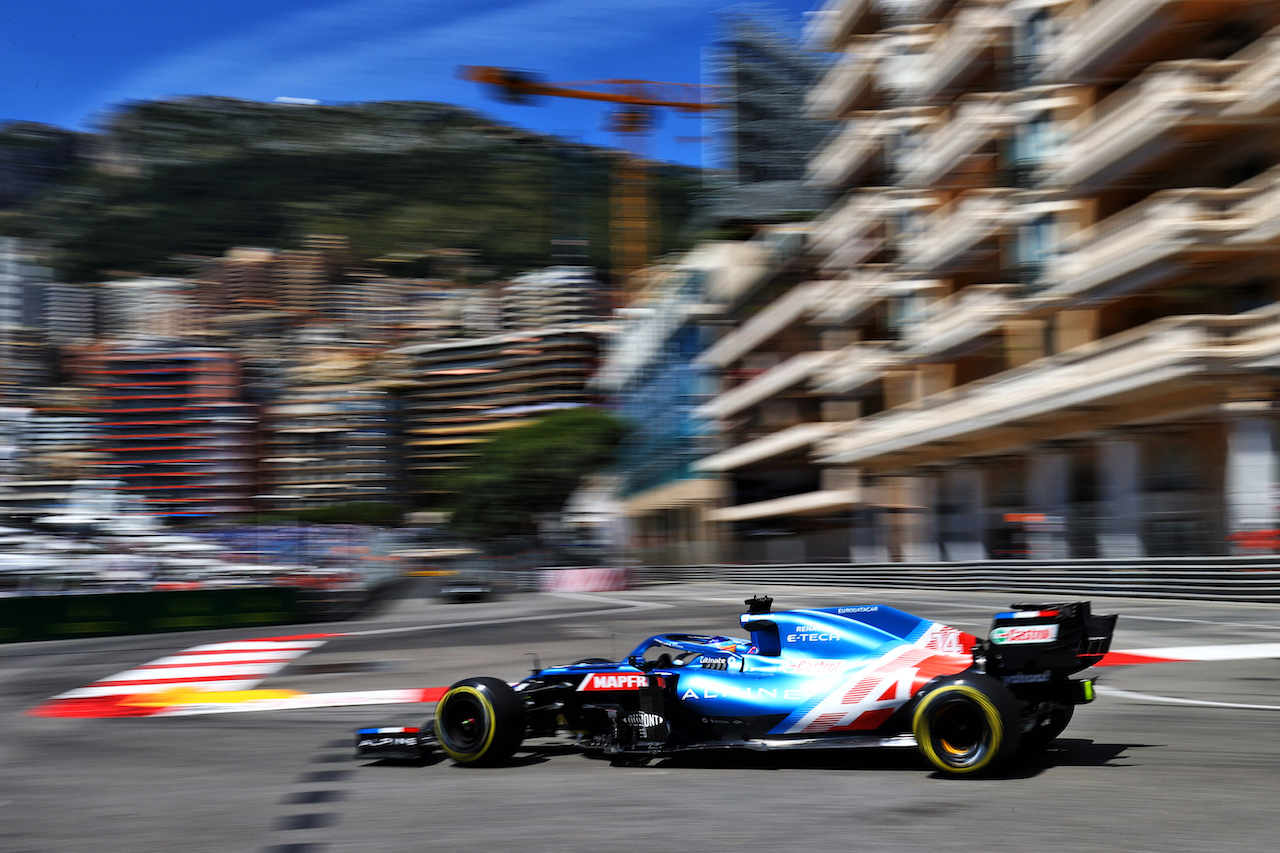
[376, 49]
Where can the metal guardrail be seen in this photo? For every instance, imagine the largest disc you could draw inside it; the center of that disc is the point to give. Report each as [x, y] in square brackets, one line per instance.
[1188, 578]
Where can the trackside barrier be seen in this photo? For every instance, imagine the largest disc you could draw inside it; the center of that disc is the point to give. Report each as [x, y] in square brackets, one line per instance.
[605, 579]
[57, 617]
[1192, 578]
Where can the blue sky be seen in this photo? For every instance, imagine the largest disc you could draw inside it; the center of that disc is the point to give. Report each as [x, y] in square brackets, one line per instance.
[64, 62]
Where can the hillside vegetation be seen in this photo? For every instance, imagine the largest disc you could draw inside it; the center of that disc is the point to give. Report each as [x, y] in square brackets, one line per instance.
[168, 180]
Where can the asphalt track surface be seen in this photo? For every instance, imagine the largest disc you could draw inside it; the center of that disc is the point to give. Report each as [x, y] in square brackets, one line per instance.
[1165, 760]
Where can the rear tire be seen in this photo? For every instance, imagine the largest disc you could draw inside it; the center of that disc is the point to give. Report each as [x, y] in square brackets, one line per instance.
[480, 722]
[966, 725]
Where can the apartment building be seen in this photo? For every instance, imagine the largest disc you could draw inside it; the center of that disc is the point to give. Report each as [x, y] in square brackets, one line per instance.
[458, 394]
[1046, 295]
[553, 296]
[152, 307]
[25, 361]
[650, 376]
[330, 433]
[771, 354]
[60, 437]
[173, 427]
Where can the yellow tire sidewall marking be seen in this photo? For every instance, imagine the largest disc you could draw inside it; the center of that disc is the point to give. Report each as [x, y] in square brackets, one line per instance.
[466, 758]
[989, 710]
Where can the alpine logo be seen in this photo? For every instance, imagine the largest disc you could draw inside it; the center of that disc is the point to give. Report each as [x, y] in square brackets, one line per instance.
[614, 681]
[1009, 636]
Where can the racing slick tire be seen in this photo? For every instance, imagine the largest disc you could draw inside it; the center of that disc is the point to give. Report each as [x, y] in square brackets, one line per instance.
[479, 722]
[966, 725]
[1038, 739]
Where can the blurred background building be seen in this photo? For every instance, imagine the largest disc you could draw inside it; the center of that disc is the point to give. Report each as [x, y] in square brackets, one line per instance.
[651, 376]
[173, 426]
[762, 140]
[458, 393]
[555, 296]
[1046, 293]
[978, 278]
[655, 374]
[24, 361]
[331, 442]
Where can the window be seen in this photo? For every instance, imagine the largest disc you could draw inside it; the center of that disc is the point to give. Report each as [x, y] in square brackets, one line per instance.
[1037, 140]
[1037, 243]
[1033, 44]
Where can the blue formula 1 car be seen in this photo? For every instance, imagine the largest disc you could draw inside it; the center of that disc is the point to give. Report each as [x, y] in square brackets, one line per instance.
[838, 677]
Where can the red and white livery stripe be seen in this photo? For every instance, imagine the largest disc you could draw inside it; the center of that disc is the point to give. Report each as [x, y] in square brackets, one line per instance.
[867, 698]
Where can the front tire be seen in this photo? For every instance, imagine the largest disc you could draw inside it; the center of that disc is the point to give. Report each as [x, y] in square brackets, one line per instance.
[480, 722]
[967, 724]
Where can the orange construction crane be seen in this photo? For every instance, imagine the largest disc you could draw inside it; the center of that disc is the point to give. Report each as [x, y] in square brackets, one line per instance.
[631, 120]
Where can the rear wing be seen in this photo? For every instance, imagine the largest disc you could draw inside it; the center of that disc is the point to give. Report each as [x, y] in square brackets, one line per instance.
[1061, 638]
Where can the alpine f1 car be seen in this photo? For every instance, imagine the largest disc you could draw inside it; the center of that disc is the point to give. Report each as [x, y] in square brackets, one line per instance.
[838, 677]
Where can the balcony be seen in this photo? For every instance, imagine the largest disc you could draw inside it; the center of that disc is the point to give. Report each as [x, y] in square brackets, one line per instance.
[849, 82]
[1171, 104]
[1114, 37]
[855, 230]
[1121, 368]
[782, 443]
[1153, 241]
[823, 502]
[1257, 211]
[962, 233]
[954, 321]
[861, 227]
[917, 11]
[774, 381]
[852, 151]
[978, 120]
[1256, 87]
[769, 321]
[853, 367]
[838, 20]
[961, 52]
[842, 299]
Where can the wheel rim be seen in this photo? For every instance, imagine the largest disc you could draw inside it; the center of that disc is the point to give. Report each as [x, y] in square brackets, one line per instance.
[462, 723]
[961, 733]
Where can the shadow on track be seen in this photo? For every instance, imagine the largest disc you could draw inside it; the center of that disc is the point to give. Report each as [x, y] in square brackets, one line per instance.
[1062, 753]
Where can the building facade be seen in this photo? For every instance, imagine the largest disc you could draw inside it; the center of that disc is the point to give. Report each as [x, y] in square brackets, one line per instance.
[457, 394]
[1047, 291]
[651, 376]
[173, 427]
[331, 434]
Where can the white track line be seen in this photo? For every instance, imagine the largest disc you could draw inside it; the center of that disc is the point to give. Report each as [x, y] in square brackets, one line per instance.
[1227, 651]
[1174, 700]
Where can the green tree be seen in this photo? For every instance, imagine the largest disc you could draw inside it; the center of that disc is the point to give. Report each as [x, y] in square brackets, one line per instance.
[174, 181]
[527, 471]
